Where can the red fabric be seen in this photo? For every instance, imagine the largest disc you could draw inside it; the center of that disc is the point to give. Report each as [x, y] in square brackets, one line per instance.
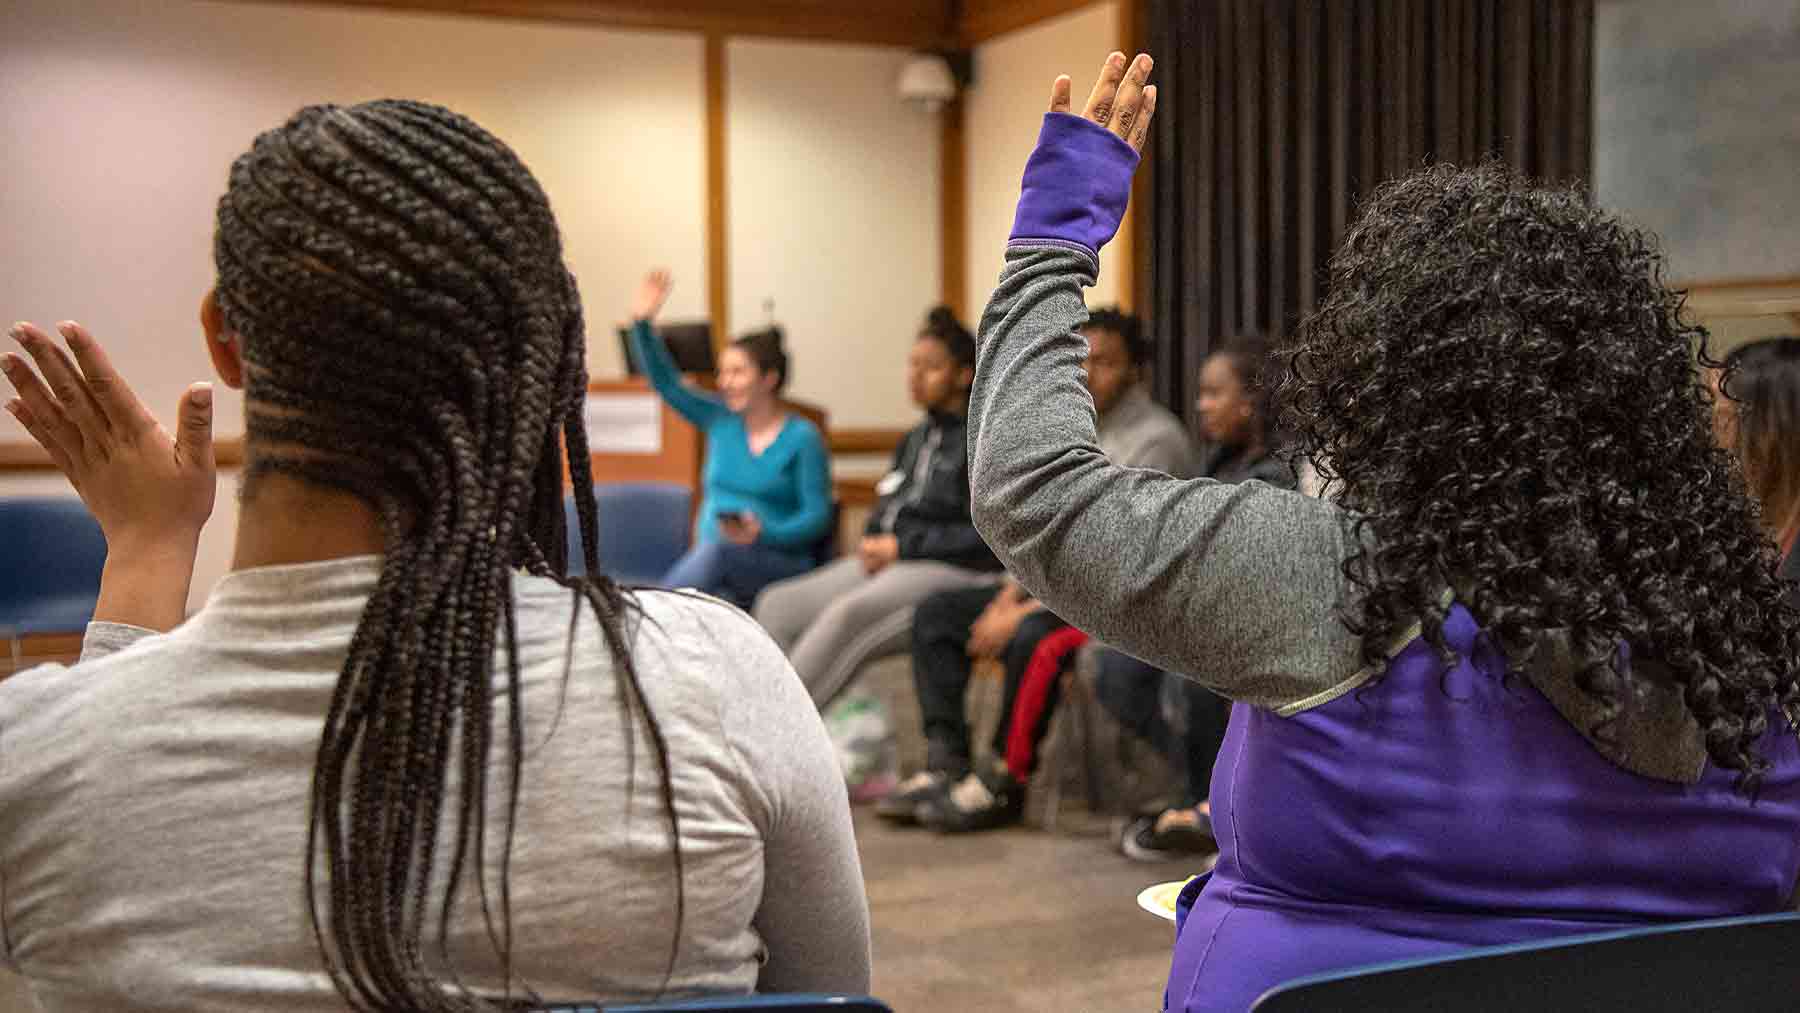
[1041, 672]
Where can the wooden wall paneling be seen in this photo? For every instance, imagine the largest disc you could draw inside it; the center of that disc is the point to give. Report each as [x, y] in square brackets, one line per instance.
[864, 441]
[718, 260]
[856, 492]
[32, 649]
[953, 210]
[1132, 248]
[921, 24]
[25, 457]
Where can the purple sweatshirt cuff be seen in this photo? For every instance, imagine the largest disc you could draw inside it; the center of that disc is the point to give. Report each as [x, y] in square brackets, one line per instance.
[1076, 185]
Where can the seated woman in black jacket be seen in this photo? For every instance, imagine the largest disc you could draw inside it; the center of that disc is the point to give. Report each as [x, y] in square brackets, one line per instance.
[919, 540]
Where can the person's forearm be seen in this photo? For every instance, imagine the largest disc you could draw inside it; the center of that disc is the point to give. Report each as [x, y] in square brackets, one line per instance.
[665, 377]
[147, 584]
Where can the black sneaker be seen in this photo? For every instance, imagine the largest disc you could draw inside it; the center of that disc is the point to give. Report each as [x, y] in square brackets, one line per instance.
[1143, 842]
[977, 802]
[901, 806]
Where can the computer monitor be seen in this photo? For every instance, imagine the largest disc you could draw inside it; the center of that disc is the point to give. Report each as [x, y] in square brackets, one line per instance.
[690, 345]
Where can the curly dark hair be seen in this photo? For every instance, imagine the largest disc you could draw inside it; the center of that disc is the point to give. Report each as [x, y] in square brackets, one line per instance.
[941, 324]
[767, 348]
[1502, 394]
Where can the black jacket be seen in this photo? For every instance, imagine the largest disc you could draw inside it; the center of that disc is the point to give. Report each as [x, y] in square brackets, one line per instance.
[1228, 464]
[925, 498]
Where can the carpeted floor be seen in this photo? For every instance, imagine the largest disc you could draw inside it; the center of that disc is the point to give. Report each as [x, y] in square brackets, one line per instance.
[1016, 920]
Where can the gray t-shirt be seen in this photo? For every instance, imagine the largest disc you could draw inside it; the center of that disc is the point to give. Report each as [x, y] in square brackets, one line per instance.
[155, 806]
[1139, 433]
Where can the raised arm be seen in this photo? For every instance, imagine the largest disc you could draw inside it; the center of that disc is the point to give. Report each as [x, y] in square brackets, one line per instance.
[151, 491]
[1235, 584]
[654, 359]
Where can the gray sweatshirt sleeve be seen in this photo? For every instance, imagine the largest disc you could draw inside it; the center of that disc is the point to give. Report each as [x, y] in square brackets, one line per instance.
[1234, 583]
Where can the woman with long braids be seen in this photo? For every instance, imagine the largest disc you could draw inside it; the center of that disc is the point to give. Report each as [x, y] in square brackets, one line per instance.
[1528, 674]
[399, 759]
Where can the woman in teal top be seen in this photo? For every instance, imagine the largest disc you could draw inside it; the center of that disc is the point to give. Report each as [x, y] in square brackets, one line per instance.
[766, 485]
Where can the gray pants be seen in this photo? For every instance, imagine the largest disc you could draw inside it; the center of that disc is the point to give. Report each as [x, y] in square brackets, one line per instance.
[837, 618]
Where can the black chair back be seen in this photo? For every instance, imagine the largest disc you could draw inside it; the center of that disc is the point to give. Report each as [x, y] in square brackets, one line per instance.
[1738, 964]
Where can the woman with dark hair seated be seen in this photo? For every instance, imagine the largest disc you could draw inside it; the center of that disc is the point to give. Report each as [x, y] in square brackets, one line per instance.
[1528, 674]
[766, 487]
[1756, 415]
[400, 760]
[919, 538]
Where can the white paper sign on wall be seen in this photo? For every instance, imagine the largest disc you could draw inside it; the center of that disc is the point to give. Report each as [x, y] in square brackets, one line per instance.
[624, 423]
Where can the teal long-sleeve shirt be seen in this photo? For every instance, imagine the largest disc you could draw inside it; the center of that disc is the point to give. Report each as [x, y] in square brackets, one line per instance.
[787, 486]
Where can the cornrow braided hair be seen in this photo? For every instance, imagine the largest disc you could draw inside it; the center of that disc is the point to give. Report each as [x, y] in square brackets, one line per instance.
[413, 337]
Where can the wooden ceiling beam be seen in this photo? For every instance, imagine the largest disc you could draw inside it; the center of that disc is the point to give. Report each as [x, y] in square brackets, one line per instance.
[922, 24]
[981, 20]
[912, 23]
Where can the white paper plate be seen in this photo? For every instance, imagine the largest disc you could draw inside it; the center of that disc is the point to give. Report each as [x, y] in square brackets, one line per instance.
[1159, 900]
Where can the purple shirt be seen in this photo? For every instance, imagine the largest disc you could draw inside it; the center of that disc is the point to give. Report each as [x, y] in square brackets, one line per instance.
[1428, 811]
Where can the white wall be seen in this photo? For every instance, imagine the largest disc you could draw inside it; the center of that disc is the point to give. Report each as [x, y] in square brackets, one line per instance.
[833, 207]
[1004, 109]
[120, 120]
[1697, 130]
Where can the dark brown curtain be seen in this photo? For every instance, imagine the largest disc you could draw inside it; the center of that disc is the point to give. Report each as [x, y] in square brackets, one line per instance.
[1275, 116]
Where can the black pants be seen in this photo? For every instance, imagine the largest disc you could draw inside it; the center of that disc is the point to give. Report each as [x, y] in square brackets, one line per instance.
[942, 667]
[1131, 691]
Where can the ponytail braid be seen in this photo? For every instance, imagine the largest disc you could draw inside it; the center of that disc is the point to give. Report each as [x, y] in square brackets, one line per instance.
[413, 338]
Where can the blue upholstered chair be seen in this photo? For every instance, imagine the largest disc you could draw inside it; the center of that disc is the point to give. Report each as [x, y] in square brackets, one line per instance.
[644, 529]
[51, 555]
